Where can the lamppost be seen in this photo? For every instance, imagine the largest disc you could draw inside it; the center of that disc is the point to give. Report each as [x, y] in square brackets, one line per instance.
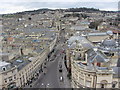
[45, 85]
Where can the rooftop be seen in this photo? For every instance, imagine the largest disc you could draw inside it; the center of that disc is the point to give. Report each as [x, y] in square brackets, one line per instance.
[20, 63]
[96, 55]
[116, 72]
[79, 28]
[3, 63]
[97, 34]
[29, 30]
[80, 40]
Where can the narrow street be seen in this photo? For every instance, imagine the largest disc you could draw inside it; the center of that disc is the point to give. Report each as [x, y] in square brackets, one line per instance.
[52, 77]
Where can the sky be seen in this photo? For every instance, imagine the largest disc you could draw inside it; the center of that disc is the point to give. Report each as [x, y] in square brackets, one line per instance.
[13, 6]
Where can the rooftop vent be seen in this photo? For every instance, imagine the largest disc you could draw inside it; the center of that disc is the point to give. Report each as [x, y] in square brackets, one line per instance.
[95, 49]
[20, 61]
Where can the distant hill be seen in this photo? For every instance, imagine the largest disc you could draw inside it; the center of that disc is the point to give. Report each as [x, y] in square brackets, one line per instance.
[30, 12]
[36, 11]
[89, 10]
[83, 9]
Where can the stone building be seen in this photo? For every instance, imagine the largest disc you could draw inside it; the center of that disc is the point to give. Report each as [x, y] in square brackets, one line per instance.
[91, 67]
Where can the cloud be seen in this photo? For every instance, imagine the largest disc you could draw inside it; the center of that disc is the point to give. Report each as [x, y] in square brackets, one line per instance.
[14, 6]
[60, 1]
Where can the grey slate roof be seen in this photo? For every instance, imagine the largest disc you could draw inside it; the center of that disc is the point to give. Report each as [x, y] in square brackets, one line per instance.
[21, 64]
[118, 63]
[38, 50]
[116, 70]
[98, 56]
[109, 43]
[97, 34]
[82, 40]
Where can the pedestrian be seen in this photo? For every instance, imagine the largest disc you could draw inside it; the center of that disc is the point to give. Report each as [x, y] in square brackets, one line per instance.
[30, 85]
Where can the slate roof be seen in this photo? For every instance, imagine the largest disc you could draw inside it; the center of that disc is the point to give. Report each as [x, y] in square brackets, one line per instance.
[96, 55]
[109, 43]
[21, 64]
[82, 40]
[97, 34]
[116, 71]
[118, 63]
[38, 50]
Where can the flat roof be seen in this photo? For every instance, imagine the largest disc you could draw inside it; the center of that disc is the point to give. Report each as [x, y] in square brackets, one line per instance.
[97, 34]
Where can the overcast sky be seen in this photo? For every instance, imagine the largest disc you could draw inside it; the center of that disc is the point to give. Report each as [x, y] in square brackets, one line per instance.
[12, 6]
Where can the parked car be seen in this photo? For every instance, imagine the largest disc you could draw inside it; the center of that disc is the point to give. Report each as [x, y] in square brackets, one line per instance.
[60, 70]
[61, 79]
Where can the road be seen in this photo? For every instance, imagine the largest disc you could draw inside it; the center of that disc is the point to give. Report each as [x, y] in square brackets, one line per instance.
[52, 77]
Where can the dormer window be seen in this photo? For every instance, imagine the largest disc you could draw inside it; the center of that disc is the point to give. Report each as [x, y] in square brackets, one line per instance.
[4, 68]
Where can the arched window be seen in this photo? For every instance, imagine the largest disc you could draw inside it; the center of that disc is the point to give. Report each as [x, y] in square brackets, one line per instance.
[114, 84]
[104, 84]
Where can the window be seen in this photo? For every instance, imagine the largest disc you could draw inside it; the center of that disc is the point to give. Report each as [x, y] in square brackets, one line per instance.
[102, 85]
[114, 84]
[5, 80]
[14, 76]
[81, 80]
[4, 68]
[88, 83]
[10, 78]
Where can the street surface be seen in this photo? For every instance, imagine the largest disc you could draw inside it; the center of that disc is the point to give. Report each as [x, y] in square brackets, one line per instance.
[52, 76]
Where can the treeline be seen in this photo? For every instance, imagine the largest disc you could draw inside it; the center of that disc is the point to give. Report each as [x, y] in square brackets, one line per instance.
[89, 10]
[81, 10]
[77, 15]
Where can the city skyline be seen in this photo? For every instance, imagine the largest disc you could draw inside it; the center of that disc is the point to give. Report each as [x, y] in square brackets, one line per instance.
[70, 48]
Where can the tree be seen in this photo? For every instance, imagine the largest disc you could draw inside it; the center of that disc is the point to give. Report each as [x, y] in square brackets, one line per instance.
[95, 24]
